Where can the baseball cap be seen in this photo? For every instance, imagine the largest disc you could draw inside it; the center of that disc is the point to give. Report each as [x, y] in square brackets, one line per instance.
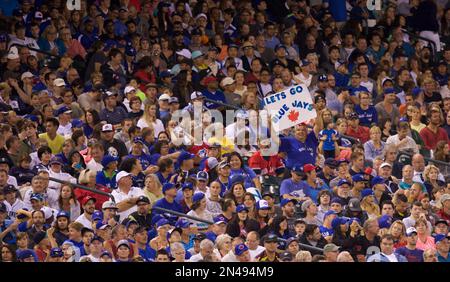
[39, 236]
[354, 205]
[3, 37]
[262, 205]
[97, 215]
[121, 175]
[209, 79]
[385, 221]
[165, 74]
[219, 220]
[341, 161]
[185, 53]
[106, 253]
[223, 164]
[240, 249]
[101, 226]
[339, 221]
[13, 53]
[174, 100]
[62, 214]
[107, 127]
[200, 236]
[36, 197]
[167, 186]
[410, 231]
[439, 237]
[237, 178]
[240, 208]
[164, 97]
[336, 200]
[227, 81]
[138, 139]
[385, 164]
[270, 238]
[143, 199]
[106, 160]
[297, 169]
[184, 156]
[202, 175]
[201, 15]
[377, 180]
[286, 201]
[305, 63]
[389, 91]
[129, 89]
[322, 78]
[268, 194]
[109, 205]
[353, 116]
[33, 118]
[3, 161]
[9, 189]
[187, 185]
[277, 62]
[306, 204]
[358, 178]
[286, 256]
[26, 74]
[330, 212]
[63, 110]
[161, 223]
[198, 196]
[77, 123]
[56, 253]
[196, 54]
[366, 192]
[97, 238]
[308, 168]
[59, 82]
[330, 248]
[196, 95]
[343, 182]
[182, 223]
[56, 160]
[87, 199]
[439, 221]
[26, 254]
[123, 243]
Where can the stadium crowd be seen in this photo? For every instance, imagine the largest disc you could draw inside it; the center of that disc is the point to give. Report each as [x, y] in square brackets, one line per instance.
[89, 92]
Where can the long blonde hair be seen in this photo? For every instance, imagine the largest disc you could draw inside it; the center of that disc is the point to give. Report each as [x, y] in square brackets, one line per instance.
[370, 208]
[147, 116]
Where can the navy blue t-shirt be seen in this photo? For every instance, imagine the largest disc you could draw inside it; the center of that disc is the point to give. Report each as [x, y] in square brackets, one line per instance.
[163, 203]
[411, 255]
[300, 153]
[217, 96]
[367, 117]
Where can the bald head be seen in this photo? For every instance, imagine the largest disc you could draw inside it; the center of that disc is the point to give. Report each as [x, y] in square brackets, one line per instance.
[418, 162]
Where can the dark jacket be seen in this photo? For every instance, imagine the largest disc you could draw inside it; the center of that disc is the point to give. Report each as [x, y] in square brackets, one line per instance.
[233, 227]
[320, 244]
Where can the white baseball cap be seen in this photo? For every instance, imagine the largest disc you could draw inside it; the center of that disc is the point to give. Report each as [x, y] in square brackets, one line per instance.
[164, 97]
[109, 205]
[121, 175]
[385, 164]
[227, 81]
[128, 89]
[201, 15]
[185, 53]
[13, 53]
[26, 74]
[59, 82]
[107, 127]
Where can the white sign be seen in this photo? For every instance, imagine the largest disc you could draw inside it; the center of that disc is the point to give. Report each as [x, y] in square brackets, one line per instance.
[290, 107]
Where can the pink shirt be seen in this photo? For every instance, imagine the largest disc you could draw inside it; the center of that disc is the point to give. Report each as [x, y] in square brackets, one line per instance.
[428, 244]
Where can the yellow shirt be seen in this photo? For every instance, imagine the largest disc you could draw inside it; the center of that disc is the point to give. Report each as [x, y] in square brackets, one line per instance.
[56, 144]
[226, 144]
[418, 128]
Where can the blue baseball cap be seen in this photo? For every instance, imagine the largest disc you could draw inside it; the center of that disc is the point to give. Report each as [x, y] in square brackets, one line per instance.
[389, 91]
[286, 201]
[165, 74]
[297, 169]
[330, 212]
[26, 254]
[97, 215]
[355, 219]
[366, 192]
[358, 178]
[138, 140]
[240, 208]
[33, 118]
[240, 249]
[77, 123]
[37, 197]
[3, 37]
[262, 205]
[131, 52]
[62, 214]
[184, 156]
[202, 175]
[336, 200]
[56, 160]
[220, 218]
[198, 196]
[237, 178]
[343, 182]
[183, 223]
[322, 78]
[161, 223]
[97, 238]
[63, 110]
[100, 225]
[339, 221]
[439, 237]
[385, 221]
[377, 180]
[187, 185]
[56, 253]
[167, 186]
[156, 218]
[107, 159]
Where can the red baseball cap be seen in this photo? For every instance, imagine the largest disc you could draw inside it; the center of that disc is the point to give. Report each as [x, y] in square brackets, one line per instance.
[87, 199]
[209, 79]
[308, 168]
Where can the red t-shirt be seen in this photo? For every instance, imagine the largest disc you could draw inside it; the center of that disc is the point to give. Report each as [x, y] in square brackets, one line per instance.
[431, 139]
[266, 166]
[362, 133]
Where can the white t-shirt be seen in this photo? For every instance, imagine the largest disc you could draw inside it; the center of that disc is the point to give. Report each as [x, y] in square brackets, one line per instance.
[65, 129]
[94, 166]
[391, 257]
[157, 125]
[83, 220]
[61, 176]
[255, 253]
[120, 196]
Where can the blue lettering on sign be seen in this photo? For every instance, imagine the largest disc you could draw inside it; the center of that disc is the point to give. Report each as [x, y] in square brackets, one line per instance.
[281, 112]
[302, 105]
[296, 90]
[275, 98]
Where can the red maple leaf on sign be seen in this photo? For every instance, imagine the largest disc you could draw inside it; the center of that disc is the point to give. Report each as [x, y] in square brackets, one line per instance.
[293, 115]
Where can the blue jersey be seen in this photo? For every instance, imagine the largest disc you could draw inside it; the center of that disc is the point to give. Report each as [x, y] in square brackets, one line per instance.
[10, 238]
[367, 117]
[148, 253]
[313, 193]
[289, 187]
[217, 96]
[163, 203]
[411, 255]
[143, 158]
[248, 173]
[300, 153]
[326, 231]
[109, 182]
[328, 144]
